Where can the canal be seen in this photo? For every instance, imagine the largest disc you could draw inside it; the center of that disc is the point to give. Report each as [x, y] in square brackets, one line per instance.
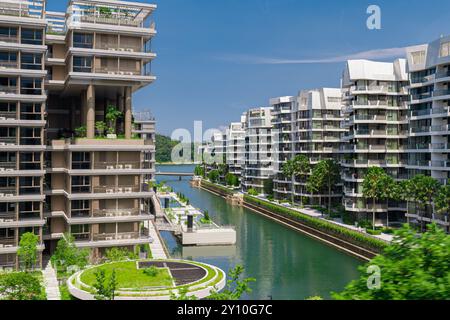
[285, 263]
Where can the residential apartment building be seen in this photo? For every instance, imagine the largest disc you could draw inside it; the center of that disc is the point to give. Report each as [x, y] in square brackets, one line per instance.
[429, 118]
[258, 167]
[144, 127]
[235, 147]
[60, 73]
[375, 100]
[308, 124]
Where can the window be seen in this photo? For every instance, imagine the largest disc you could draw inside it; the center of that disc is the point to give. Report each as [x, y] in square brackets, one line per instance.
[32, 36]
[8, 59]
[418, 57]
[82, 64]
[31, 86]
[445, 49]
[81, 40]
[81, 160]
[30, 161]
[31, 61]
[8, 34]
[8, 108]
[30, 111]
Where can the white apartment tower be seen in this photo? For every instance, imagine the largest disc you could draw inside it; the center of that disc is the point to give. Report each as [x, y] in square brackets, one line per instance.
[258, 167]
[308, 124]
[429, 117]
[375, 100]
[235, 147]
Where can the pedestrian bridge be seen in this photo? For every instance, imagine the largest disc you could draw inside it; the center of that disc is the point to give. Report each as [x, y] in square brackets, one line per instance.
[175, 174]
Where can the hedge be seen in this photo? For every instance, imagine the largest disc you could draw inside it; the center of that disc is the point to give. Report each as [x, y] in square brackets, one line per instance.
[217, 187]
[343, 233]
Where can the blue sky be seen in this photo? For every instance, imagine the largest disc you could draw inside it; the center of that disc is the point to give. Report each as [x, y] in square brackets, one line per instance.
[217, 58]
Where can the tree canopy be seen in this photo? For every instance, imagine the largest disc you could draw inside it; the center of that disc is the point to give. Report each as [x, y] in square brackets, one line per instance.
[413, 267]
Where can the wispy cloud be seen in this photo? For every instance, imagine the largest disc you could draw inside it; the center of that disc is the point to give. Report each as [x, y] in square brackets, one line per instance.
[380, 54]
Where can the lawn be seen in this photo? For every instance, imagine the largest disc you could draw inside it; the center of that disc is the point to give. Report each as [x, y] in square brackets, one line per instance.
[129, 277]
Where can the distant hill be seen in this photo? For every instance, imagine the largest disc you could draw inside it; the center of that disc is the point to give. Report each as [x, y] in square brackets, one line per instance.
[164, 146]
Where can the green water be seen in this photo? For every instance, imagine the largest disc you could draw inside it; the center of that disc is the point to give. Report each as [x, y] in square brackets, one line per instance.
[285, 263]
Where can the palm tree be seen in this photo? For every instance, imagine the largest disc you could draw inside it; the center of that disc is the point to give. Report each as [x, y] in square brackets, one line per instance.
[423, 190]
[324, 176]
[442, 201]
[375, 186]
[400, 191]
[298, 166]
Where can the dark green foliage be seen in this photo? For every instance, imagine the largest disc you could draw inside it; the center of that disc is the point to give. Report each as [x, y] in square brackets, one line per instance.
[20, 286]
[236, 286]
[413, 267]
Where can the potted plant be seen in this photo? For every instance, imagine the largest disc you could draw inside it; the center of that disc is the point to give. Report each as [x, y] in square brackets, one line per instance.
[80, 132]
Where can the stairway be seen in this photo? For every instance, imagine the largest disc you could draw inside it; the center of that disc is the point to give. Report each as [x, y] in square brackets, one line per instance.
[51, 282]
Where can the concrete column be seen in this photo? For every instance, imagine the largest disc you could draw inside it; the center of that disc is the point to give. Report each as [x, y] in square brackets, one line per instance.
[128, 114]
[90, 114]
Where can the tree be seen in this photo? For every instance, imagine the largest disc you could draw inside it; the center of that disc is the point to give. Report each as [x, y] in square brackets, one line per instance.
[413, 267]
[325, 175]
[268, 187]
[112, 114]
[101, 127]
[198, 171]
[423, 190]
[298, 166]
[20, 286]
[105, 289]
[400, 191]
[236, 286]
[213, 176]
[375, 186]
[442, 201]
[68, 255]
[28, 249]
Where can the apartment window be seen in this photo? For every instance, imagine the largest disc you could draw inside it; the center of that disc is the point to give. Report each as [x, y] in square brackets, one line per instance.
[29, 185]
[6, 208]
[8, 185]
[8, 85]
[30, 161]
[80, 231]
[6, 133]
[8, 158]
[445, 49]
[8, 34]
[8, 59]
[29, 210]
[81, 184]
[80, 208]
[82, 64]
[8, 110]
[7, 233]
[31, 61]
[81, 160]
[31, 86]
[418, 57]
[30, 136]
[32, 36]
[82, 40]
[30, 111]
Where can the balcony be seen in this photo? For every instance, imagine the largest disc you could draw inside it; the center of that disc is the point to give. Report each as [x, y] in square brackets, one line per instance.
[120, 236]
[111, 213]
[117, 190]
[11, 115]
[8, 90]
[7, 243]
[9, 39]
[8, 65]
[117, 166]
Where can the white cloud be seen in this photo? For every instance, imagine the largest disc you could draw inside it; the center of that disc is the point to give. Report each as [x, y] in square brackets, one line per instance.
[380, 54]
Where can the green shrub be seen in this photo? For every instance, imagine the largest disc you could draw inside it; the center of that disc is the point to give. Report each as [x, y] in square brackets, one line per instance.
[322, 225]
[151, 271]
[252, 192]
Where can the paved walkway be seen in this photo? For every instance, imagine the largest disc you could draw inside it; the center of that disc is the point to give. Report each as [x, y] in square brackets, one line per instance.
[156, 247]
[51, 282]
